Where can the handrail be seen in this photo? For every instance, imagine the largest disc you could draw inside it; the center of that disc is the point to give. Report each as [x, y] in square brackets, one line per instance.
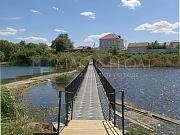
[73, 88]
[70, 92]
[111, 94]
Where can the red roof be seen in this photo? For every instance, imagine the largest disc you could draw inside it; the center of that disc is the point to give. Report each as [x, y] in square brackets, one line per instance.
[110, 36]
[83, 47]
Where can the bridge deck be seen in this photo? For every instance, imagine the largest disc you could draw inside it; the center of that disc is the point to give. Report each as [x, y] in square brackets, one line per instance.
[90, 127]
[87, 104]
[87, 117]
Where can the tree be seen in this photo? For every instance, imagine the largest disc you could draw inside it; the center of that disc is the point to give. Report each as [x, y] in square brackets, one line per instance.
[2, 56]
[62, 43]
[178, 46]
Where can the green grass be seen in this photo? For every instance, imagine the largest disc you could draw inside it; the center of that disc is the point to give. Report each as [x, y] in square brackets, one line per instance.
[14, 116]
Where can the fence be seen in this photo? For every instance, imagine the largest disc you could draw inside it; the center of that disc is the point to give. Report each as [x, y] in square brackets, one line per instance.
[151, 50]
[111, 96]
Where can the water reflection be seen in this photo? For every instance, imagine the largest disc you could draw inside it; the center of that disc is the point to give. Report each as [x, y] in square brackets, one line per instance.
[43, 99]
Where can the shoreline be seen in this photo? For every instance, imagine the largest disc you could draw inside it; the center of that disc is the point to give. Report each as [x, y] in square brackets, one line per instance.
[20, 86]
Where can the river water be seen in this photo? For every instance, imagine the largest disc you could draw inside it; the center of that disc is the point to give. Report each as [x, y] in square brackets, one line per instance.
[156, 89]
[153, 89]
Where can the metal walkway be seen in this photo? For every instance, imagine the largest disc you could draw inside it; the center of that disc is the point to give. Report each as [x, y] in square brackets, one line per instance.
[87, 104]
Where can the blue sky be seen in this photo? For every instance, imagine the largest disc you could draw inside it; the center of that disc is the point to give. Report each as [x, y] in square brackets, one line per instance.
[86, 21]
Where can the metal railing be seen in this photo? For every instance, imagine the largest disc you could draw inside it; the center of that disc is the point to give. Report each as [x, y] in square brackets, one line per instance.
[71, 91]
[111, 95]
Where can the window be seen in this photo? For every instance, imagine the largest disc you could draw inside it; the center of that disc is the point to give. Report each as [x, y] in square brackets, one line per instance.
[114, 41]
[108, 42]
[102, 42]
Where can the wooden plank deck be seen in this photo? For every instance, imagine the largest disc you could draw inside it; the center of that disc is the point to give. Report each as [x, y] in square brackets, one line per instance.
[90, 127]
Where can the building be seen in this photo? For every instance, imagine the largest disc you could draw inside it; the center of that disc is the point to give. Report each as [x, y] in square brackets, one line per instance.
[83, 48]
[111, 41]
[138, 46]
[164, 43]
[174, 43]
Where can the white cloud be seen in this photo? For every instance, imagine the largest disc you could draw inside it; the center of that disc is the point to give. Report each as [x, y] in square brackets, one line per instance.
[11, 18]
[59, 30]
[49, 44]
[90, 14]
[8, 31]
[34, 11]
[93, 17]
[55, 8]
[131, 3]
[160, 27]
[22, 30]
[92, 37]
[38, 39]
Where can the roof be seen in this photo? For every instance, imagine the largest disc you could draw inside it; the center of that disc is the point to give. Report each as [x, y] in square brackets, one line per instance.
[83, 47]
[138, 44]
[176, 40]
[110, 36]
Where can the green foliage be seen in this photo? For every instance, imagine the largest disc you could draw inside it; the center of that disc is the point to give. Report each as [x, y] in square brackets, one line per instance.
[114, 51]
[155, 45]
[10, 110]
[2, 56]
[150, 59]
[14, 117]
[21, 53]
[62, 43]
[178, 46]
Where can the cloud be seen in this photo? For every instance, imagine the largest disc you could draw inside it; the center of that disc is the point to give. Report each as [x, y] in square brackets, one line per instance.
[8, 31]
[22, 30]
[38, 39]
[11, 18]
[59, 30]
[93, 17]
[55, 8]
[92, 37]
[34, 11]
[160, 27]
[90, 14]
[49, 44]
[131, 3]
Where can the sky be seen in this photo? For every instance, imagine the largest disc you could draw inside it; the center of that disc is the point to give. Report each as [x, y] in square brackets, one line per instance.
[85, 21]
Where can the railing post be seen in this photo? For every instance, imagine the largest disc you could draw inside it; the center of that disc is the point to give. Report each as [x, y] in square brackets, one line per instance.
[72, 106]
[66, 121]
[114, 108]
[59, 115]
[109, 107]
[122, 112]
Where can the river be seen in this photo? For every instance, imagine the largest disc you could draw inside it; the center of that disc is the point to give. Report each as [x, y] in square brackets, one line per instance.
[156, 89]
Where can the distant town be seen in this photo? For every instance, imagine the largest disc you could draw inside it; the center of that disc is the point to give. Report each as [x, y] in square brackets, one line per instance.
[111, 41]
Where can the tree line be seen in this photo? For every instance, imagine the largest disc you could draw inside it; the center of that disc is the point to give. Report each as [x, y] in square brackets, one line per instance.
[21, 53]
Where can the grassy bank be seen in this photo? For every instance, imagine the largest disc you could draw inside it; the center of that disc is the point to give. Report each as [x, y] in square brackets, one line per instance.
[104, 59]
[14, 117]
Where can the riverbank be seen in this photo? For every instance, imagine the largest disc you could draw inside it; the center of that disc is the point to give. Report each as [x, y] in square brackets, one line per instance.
[20, 86]
[14, 115]
[151, 60]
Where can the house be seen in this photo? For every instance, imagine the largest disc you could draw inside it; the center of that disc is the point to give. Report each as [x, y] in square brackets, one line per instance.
[164, 43]
[111, 41]
[174, 43]
[138, 46]
[83, 48]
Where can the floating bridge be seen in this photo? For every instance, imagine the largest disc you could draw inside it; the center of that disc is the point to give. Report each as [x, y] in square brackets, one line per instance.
[90, 106]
